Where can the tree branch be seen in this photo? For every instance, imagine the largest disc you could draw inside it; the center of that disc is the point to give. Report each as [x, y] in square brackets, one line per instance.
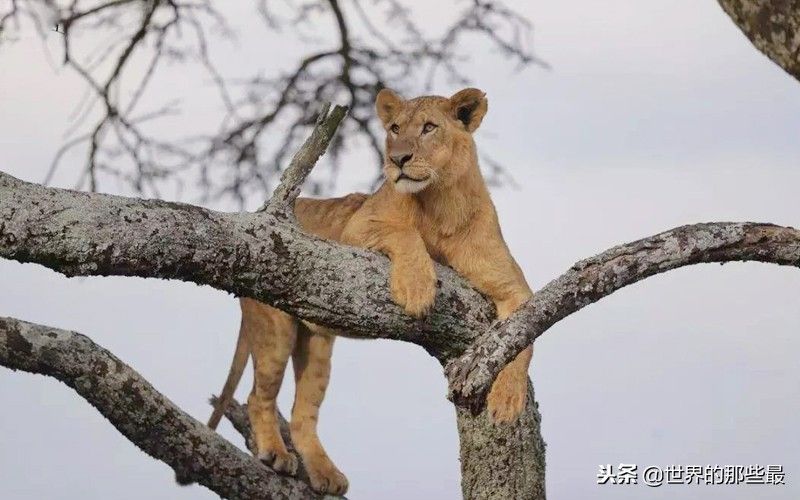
[142, 414]
[272, 260]
[250, 255]
[773, 26]
[303, 162]
[470, 376]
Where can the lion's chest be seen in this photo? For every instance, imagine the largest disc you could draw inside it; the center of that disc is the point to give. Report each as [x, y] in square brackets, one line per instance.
[442, 247]
[446, 234]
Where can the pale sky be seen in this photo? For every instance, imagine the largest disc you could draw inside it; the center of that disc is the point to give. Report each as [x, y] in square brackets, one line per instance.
[654, 114]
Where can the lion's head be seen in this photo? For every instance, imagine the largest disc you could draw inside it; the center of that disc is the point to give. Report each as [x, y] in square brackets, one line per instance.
[429, 139]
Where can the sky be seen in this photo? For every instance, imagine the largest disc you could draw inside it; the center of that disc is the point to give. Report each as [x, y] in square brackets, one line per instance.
[653, 115]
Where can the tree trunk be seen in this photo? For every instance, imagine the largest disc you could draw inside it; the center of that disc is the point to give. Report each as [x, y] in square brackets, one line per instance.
[502, 462]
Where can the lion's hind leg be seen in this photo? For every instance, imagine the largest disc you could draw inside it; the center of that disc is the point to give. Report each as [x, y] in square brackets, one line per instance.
[271, 334]
[312, 367]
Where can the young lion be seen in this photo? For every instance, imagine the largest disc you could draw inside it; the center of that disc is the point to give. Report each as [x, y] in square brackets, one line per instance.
[432, 206]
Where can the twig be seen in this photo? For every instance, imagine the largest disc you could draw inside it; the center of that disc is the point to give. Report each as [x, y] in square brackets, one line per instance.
[282, 200]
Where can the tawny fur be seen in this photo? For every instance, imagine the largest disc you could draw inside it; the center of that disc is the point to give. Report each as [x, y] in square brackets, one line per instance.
[432, 206]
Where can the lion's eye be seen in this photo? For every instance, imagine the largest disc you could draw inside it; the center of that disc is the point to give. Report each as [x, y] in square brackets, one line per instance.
[428, 127]
[395, 128]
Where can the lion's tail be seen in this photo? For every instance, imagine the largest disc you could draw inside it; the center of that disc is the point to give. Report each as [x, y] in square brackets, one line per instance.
[234, 376]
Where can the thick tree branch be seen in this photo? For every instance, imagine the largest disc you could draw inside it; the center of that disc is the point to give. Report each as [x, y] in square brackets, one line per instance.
[773, 26]
[588, 281]
[142, 414]
[252, 255]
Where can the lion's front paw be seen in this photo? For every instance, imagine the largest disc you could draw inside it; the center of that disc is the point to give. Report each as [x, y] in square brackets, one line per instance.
[506, 400]
[413, 286]
[324, 476]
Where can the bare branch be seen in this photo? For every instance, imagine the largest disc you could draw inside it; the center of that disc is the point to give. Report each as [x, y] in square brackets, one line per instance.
[304, 160]
[142, 414]
[374, 42]
[471, 375]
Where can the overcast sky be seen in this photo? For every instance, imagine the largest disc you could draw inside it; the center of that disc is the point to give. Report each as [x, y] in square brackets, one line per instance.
[654, 114]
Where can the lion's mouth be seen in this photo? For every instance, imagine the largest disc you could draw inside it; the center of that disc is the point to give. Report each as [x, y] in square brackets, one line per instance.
[408, 177]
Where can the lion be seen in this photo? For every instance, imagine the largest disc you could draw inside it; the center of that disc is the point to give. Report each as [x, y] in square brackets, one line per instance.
[433, 206]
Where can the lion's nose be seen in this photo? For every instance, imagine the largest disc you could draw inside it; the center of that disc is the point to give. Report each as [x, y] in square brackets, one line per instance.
[401, 159]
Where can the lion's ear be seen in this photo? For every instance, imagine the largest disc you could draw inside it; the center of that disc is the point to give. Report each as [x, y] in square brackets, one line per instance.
[387, 104]
[469, 106]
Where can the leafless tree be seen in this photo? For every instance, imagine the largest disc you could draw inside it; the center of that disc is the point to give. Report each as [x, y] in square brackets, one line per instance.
[262, 116]
[80, 234]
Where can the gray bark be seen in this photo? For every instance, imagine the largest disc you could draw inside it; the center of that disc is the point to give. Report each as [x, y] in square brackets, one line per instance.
[500, 462]
[142, 414]
[773, 26]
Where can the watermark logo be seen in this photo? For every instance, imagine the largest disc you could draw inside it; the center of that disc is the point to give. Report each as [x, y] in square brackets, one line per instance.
[710, 475]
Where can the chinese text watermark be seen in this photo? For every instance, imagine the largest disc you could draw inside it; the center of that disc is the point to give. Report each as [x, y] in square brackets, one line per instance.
[655, 476]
